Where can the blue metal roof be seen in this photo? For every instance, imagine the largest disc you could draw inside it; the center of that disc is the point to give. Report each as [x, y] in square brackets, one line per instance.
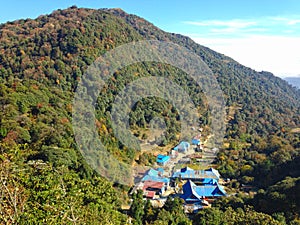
[156, 178]
[162, 158]
[187, 173]
[196, 141]
[192, 192]
[189, 193]
[182, 146]
[183, 170]
[160, 170]
[210, 191]
[154, 175]
[152, 172]
[214, 171]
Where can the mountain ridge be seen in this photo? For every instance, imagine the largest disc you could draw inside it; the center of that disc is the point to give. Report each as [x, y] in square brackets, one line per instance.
[56, 49]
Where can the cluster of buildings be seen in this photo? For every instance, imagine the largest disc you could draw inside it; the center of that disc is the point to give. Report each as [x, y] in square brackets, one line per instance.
[154, 183]
[198, 188]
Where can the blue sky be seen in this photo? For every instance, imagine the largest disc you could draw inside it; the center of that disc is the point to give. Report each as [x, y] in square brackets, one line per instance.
[264, 35]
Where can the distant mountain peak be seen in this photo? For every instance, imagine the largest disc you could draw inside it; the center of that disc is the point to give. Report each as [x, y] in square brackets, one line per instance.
[294, 81]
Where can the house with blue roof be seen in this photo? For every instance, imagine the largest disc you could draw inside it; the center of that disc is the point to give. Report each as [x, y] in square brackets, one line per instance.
[196, 141]
[193, 193]
[210, 191]
[155, 175]
[162, 159]
[182, 147]
[196, 175]
[190, 196]
[156, 179]
[152, 172]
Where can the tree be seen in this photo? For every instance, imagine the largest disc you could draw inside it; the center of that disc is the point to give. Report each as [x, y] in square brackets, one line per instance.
[13, 195]
[137, 207]
[149, 212]
[174, 205]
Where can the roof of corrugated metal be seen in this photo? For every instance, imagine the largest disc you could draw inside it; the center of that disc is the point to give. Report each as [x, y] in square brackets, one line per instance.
[191, 190]
[195, 174]
[156, 179]
[153, 184]
[162, 158]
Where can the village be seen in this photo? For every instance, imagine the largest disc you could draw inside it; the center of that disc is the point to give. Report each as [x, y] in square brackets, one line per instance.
[171, 177]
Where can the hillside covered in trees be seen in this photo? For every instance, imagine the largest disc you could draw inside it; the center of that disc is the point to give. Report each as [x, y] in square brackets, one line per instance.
[45, 179]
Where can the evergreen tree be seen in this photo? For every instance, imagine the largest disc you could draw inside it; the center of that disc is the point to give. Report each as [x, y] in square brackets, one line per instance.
[137, 207]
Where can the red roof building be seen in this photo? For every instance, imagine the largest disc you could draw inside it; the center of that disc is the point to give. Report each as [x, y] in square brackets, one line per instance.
[151, 187]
